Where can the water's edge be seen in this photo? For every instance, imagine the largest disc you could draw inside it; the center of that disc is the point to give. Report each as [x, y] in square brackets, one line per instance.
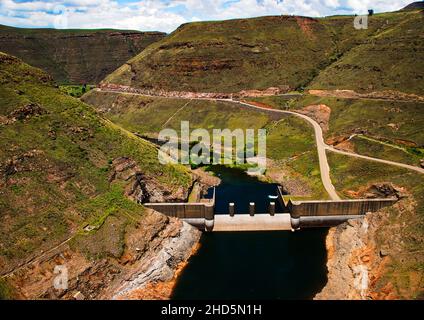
[253, 265]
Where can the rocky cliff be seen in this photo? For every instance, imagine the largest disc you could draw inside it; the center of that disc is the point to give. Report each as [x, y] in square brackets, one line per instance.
[75, 56]
[369, 259]
[155, 250]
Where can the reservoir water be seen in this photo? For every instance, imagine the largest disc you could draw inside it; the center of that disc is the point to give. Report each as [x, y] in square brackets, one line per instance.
[253, 265]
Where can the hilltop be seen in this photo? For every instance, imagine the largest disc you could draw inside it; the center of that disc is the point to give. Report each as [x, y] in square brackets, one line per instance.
[75, 56]
[415, 6]
[287, 52]
[391, 58]
[232, 55]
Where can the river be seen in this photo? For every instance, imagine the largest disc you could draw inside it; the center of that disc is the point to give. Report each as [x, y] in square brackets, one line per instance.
[253, 265]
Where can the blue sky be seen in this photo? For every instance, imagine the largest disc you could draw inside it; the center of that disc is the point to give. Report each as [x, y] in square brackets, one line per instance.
[167, 15]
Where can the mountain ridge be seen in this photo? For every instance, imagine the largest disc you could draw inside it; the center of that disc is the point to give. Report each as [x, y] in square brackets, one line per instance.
[274, 51]
[75, 56]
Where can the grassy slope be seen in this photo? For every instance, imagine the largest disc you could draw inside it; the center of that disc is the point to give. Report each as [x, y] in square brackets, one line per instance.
[403, 142]
[63, 184]
[148, 115]
[75, 56]
[390, 58]
[326, 53]
[290, 141]
[228, 56]
[400, 231]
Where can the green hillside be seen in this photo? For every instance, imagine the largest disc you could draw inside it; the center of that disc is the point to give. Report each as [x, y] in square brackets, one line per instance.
[290, 141]
[75, 56]
[391, 58]
[233, 55]
[283, 51]
[57, 161]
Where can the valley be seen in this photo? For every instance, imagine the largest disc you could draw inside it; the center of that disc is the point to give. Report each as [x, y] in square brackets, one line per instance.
[79, 164]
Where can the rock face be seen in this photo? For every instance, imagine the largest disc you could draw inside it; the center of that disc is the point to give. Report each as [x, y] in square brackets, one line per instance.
[160, 265]
[320, 113]
[155, 251]
[362, 254]
[139, 187]
[348, 275]
[75, 56]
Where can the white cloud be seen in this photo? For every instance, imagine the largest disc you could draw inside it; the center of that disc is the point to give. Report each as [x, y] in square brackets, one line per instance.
[143, 15]
[167, 15]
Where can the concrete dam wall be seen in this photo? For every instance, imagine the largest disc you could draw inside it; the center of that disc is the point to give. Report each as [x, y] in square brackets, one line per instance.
[199, 214]
[299, 209]
[296, 215]
[329, 213]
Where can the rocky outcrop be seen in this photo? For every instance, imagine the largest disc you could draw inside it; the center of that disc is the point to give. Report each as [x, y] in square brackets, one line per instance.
[360, 253]
[23, 113]
[155, 251]
[205, 180]
[320, 113]
[140, 187]
[19, 163]
[348, 276]
[160, 266]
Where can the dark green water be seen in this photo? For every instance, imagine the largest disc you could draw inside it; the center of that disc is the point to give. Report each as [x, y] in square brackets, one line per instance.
[253, 265]
[238, 187]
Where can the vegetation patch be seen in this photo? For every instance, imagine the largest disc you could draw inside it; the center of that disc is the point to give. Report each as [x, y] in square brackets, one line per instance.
[76, 91]
[6, 291]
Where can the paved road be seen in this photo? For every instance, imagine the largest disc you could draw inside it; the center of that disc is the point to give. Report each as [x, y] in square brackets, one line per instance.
[398, 164]
[322, 147]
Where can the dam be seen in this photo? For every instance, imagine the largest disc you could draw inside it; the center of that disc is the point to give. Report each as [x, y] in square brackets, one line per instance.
[263, 263]
[249, 246]
[279, 212]
[300, 214]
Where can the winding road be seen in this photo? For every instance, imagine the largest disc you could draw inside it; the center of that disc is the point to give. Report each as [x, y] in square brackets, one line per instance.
[322, 147]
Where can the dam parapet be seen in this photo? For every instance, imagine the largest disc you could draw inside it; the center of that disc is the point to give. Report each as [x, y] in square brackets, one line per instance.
[337, 207]
[328, 213]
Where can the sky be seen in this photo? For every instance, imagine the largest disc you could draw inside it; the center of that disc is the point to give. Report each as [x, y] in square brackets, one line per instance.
[167, 15]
